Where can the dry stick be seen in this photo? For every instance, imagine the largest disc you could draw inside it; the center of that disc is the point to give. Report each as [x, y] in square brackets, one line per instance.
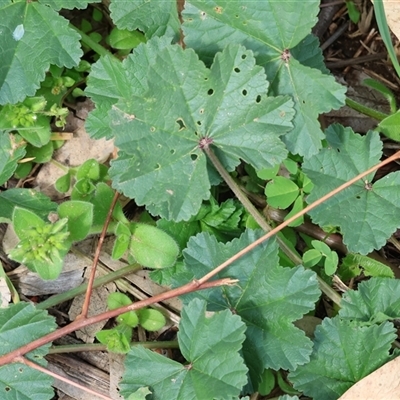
[33, 365]
[82, 322]
[86, 303]
[292, 219]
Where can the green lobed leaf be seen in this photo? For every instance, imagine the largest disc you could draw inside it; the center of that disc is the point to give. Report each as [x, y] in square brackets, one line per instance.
[153, 17]
[373, 297]
[179, 102]
[364, 212]
[20, 324]
[344, 353]
[283, 46]
[211, 346]
[106, 84]
[267, 297]
[34, 35]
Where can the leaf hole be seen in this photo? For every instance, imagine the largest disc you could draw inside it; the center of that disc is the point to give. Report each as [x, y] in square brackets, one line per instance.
[244, 56]
[172, 151]
[203, 15]
[237, 16]
[244, 92]
[198, 123]
[201, 111]
[7, 388]
[258, 99]
[20, 370]
[236, 69]
[152, 129]
[194, 157]
[157, 166]
[210, 92]
[358, 197]
[181, 124]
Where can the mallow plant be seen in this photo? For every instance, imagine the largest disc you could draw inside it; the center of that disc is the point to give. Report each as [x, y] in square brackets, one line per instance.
[220, 95]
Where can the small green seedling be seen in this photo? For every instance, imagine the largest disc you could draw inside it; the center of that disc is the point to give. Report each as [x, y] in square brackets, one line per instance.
[118, 339]
[321, 251]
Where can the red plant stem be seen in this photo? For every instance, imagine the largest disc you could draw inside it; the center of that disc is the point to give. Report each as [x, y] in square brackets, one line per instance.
[86, 303]
[82, 322]
[284, 224]
[38, 367]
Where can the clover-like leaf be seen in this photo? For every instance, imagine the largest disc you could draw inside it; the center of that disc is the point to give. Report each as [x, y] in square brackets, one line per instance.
[267, 297]
[344, 352]
[279, 34]
[179, 107]
[211, 345]
[32, 34]
[365, 212]
[21, 324]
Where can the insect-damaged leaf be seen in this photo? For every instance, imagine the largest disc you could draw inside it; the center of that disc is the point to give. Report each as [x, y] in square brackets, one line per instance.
[175, 101]
[279, 32]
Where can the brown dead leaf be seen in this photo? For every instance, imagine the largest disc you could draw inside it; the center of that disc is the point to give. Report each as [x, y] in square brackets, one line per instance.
[383, 384]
